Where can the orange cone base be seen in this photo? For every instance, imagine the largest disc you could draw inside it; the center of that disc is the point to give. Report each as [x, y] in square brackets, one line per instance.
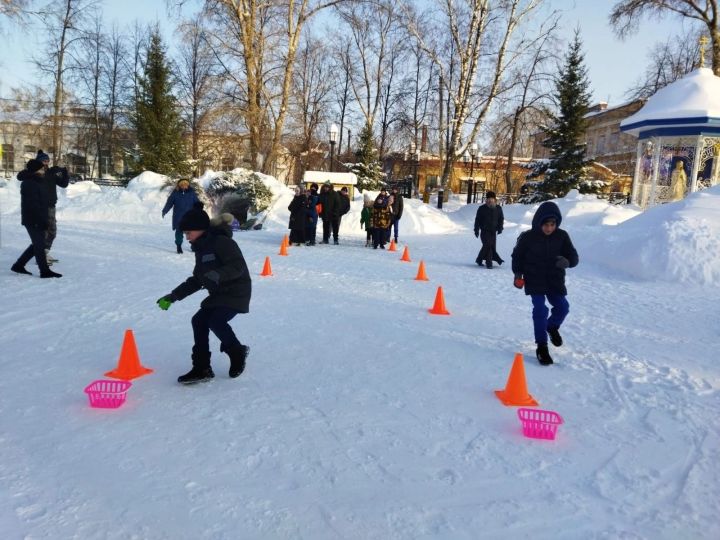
[392, 245]
[421, 275]
[128, 375]
[439, 306]
[438, 312]
[508, 401]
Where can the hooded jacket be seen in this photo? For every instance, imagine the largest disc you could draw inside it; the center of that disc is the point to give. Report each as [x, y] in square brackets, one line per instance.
[180, 200]
[220, 268]
[535, 254]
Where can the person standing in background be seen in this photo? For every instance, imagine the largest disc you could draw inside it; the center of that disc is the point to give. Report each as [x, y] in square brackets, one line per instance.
[54, 177]
[182, 199]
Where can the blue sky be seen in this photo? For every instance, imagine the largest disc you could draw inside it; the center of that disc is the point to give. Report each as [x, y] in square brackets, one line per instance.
[613, 65]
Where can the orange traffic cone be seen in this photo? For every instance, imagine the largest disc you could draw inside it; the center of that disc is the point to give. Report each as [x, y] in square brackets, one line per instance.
[267, 270]
[129, 366]
[283, 247]
[421, 275]
[515, 393]
[285, 241]
[439, 307]
[393, 246]
[406, 255]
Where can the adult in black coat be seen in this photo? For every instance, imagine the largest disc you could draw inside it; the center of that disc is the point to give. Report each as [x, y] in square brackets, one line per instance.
[330, 215]
[221, 270]
[489, 221]
[34, 216]
[343, 209]
[398, 206]
[298, 208]
[54, 177]
[539, 260]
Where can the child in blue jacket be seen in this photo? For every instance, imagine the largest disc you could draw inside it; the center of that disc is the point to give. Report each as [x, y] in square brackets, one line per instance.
[182, 199]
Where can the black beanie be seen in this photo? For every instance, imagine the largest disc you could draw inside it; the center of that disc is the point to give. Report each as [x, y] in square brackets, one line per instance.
[34, 165]
[490, 195]
[195, 219]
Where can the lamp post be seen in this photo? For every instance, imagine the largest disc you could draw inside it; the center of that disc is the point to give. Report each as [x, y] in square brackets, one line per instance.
[471, 182]
[333, 135]
[415, 157]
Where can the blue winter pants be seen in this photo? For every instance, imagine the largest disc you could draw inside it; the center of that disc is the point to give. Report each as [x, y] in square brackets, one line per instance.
[178, 237]
[395, 227]
[541, 321]
[215, 319]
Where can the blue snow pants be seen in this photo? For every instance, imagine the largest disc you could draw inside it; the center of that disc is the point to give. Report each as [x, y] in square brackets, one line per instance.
[541, 321]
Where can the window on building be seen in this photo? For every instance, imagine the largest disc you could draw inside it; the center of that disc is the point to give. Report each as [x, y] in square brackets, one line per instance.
[30, 149]
[8, 158]
[431, 182]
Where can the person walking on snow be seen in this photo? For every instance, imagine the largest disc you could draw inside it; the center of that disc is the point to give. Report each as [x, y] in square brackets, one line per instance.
[221, 270]
[330, 215]
[539, 260]
[182, 199]
[54, 177]
[397, 211]
[34, 216]
[489, 221]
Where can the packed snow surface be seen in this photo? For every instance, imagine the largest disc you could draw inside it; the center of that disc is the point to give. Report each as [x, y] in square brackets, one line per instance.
[360, 414]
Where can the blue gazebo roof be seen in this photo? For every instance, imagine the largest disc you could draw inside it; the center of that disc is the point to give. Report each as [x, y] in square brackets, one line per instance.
[688, 106]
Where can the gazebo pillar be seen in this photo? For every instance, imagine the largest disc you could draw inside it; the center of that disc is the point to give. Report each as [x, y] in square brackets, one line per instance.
[638, 168]
[699, 147]
[657, 148]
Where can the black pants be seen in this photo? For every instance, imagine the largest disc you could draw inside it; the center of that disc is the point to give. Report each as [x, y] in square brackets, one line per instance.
[215, 319]
[487, 252]
[331, 225]
[37, 248]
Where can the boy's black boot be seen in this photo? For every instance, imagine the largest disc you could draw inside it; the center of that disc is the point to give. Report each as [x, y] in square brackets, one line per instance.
[19, 269]
[555, 337]
[543, 355]
[237, 356]
[49, 274]
[179, 248]
[201, 370]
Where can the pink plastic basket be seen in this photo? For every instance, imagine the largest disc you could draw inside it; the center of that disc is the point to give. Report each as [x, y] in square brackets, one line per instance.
[539, 424]
[105, 394]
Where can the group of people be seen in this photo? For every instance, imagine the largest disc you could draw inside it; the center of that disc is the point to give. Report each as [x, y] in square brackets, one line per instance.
[308, 205]
[38, 199]
[539, 260]
[381, 217]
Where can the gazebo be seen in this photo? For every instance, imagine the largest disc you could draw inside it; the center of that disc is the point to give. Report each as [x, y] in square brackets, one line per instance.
[678, 133]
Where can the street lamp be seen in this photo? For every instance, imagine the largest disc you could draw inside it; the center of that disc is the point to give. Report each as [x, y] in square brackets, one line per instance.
[471, 182]
[333, 134]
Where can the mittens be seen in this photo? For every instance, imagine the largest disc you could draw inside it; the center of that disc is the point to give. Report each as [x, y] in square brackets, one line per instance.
[165, 302]
[518, 282]
[561, 262]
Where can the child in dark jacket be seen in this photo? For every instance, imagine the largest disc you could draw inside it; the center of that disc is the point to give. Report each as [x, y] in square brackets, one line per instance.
[182, 199]
[220, 269]
[539, 261]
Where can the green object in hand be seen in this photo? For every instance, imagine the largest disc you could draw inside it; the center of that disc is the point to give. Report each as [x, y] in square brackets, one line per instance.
[164, 303]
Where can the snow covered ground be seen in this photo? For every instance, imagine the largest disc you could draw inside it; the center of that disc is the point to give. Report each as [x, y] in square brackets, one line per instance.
[360, 415]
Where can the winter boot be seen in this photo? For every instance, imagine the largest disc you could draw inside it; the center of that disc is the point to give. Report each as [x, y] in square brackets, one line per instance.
[49, 274]
[201, 370]
[237, 356]
[543, 355]
[179, 248]
[19, 269]
[555, 337]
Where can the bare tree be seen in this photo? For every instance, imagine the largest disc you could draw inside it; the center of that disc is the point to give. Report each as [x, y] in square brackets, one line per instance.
[667, 62]
[474, 62]
[63, 23]
[626, 15]
[113, 88]
[342, 85]
[197, 82]
[262, 40]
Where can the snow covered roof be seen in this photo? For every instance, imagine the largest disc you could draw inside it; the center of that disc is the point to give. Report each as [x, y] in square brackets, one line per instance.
[319, 177]
[688, 106]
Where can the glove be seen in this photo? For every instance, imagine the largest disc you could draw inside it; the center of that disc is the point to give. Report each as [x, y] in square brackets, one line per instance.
[518, 282]
[165, 302]
[500, 231]
[477, 234]
[561, 262]
[211, 281]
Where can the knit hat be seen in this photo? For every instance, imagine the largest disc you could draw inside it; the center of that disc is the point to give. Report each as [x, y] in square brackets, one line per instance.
[195, 219]
[490, 195]
[34, 165]
[42, 156]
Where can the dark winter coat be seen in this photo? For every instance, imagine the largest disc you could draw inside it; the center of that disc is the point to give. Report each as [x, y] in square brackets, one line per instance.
[397, 206]
[220, 268]
[180, 200]
[34, 204]
[489, 219]
[298, 213]
[382, 216]
[330, 200]
[55, 177]
[535, 254]
[313, 199]
[344, 203]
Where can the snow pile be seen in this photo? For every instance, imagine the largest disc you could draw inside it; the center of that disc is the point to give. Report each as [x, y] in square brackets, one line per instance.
[674, 242]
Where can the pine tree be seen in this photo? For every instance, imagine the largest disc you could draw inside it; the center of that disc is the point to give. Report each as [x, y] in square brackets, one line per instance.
[157, 119]
[367, 168]
[566, 167]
